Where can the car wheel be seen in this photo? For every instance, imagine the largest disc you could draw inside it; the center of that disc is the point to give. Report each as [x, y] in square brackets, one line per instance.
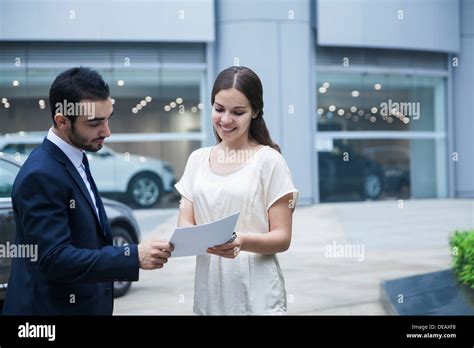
[372, 186]
[145, 190]
[121, 237]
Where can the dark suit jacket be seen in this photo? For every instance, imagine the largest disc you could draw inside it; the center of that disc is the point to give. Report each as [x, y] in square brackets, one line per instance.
[76, 262]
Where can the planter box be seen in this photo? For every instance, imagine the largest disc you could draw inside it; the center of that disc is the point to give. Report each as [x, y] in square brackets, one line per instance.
[437, 293]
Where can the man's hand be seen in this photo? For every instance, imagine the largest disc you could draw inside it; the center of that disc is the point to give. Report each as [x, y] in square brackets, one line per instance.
[154, 254]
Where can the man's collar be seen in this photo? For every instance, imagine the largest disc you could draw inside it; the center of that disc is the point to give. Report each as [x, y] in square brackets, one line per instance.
[73, 153]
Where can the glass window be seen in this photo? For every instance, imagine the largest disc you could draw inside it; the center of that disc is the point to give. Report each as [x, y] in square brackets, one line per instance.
[370, 102]
[380, 137]
[157, 123]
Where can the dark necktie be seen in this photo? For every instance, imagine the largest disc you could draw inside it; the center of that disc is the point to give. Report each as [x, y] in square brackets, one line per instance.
[98, 201]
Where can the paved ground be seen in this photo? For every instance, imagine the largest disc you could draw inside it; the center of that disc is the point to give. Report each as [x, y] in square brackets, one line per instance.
[379, 241]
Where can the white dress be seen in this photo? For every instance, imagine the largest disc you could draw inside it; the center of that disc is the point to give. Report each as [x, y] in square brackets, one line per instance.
[251, 283]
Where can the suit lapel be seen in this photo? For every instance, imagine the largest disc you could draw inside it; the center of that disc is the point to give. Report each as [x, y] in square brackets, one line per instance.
[61, 157]
[80, 183]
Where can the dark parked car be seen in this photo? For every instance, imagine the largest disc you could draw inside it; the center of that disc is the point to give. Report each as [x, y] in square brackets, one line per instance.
[396, 166]
[124, 225]
[342, 170]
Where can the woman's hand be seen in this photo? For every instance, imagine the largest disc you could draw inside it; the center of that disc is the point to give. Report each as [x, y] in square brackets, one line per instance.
[228, 250]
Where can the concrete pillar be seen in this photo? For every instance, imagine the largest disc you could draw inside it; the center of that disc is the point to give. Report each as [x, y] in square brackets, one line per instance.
[464, 105]
[274, 38]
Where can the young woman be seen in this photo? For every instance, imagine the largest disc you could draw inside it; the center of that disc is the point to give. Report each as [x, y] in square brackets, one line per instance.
[244, 173]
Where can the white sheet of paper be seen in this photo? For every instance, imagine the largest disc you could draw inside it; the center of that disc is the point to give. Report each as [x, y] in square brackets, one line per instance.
[194, 240]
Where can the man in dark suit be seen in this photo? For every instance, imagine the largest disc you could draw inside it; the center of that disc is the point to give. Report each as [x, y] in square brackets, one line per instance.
[58, 209]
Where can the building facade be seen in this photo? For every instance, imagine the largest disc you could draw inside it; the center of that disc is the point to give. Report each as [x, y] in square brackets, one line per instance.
[368, 99]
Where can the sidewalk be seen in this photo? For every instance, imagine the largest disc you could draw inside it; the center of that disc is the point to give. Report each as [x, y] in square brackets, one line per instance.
[396, 242]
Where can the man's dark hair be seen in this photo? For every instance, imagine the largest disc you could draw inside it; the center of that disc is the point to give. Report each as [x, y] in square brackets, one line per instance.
[74, 85]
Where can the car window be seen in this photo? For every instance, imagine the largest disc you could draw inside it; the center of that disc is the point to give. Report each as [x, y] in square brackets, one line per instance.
[12, 149]
[8, 173]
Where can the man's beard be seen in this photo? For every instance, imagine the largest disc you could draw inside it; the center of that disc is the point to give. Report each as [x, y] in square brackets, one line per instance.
[78, 141]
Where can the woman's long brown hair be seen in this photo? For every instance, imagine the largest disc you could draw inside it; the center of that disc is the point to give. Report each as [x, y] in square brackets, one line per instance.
[246, 81]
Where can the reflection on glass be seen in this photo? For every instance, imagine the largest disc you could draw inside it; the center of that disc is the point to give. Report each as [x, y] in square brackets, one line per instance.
[402, 104]
[352, 170]
[395, 162]
[146, 99]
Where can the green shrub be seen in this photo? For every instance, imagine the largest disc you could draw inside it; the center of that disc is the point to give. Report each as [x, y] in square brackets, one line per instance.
[462, 244]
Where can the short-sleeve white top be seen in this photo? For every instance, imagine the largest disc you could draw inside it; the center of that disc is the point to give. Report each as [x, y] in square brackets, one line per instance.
[251, 283]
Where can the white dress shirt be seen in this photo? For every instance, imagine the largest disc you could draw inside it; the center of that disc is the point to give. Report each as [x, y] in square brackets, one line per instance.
[75, 156]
